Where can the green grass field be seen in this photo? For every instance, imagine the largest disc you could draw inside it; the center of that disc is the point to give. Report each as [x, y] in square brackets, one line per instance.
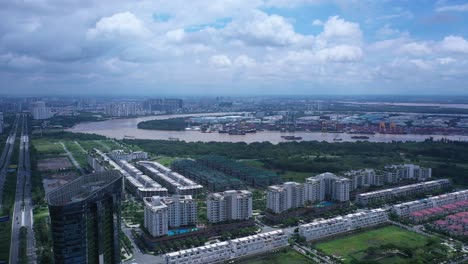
[354, 245]
[48, 147]
[290, 257]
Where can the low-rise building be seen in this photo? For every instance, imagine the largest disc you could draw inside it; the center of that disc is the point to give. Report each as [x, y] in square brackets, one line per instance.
[404, 209]
[229, 205]
[406, 190]
[134, 180]
[341, 224]
[119, 154]
[175, 182]
[228, 250]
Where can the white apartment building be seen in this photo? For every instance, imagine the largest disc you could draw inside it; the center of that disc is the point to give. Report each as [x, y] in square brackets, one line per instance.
[324, 228]
[396, 173]
[175, 182]
[162, 213]
[229, 205]
[285, 196]
[224, 251]
[404, 209]
[327, 186]
[182, 210]
[156, 216]
[364, 178]
[382, 195]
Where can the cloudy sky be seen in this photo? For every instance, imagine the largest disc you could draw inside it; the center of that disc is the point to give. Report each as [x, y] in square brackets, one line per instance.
[224, 47]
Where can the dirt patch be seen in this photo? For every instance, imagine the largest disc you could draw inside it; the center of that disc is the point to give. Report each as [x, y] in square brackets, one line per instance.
[54, 164]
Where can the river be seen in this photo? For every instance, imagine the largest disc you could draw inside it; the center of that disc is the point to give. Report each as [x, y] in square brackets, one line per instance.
[119, 128]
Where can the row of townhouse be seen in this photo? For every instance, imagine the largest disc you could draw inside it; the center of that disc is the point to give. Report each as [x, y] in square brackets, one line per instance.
[162, 213]
[229, 205]
[406, 190]
[228, 250]
[329, 227]
[119, 154]
[175, 182]
[390, 174]
[405, 209]
[325, 186]
[134, 180]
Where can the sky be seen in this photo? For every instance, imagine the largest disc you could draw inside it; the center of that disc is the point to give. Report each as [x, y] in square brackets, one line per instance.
[233, 47]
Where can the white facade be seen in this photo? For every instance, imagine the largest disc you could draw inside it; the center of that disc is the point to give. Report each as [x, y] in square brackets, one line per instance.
[404, 209]
[156, 216]
[282, 197]
[182, 210]
[162, 213]
[175, 182]
[382, 195]
[228, 250]
[324, 228]
[396, 173]
[327, 186]
[229, 205]
[364, 178]
[134, 180]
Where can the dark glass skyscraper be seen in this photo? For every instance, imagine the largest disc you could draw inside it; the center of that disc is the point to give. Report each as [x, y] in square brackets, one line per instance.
[85, 219]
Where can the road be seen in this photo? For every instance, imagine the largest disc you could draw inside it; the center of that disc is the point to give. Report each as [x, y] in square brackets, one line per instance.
[73, 160]
[138, 256]
[6, 156]
[22, 212]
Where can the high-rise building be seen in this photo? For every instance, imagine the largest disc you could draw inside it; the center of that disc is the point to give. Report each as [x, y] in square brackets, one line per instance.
[396, 173]
[85, 219]
[229, 205]
[167, 212]
[365, 178]
[40, 110]
[285, 196]
[327, 186]
[156, 216]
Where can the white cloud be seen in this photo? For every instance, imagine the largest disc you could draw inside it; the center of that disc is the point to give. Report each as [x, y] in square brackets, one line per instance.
[446, 60]
[336, 27]
[259, 28]
[220, 60]
[342, 53]
[176, 35]
[244, 61]
[457, 8]
[416, 49]
[124, 24]
[454, 44]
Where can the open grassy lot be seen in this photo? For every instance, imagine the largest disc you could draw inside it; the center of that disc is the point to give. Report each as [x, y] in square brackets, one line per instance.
[354, 246]
[48, 147]
[286, 256]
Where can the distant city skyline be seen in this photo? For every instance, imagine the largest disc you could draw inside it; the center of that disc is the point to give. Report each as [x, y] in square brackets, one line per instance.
[255, 47]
